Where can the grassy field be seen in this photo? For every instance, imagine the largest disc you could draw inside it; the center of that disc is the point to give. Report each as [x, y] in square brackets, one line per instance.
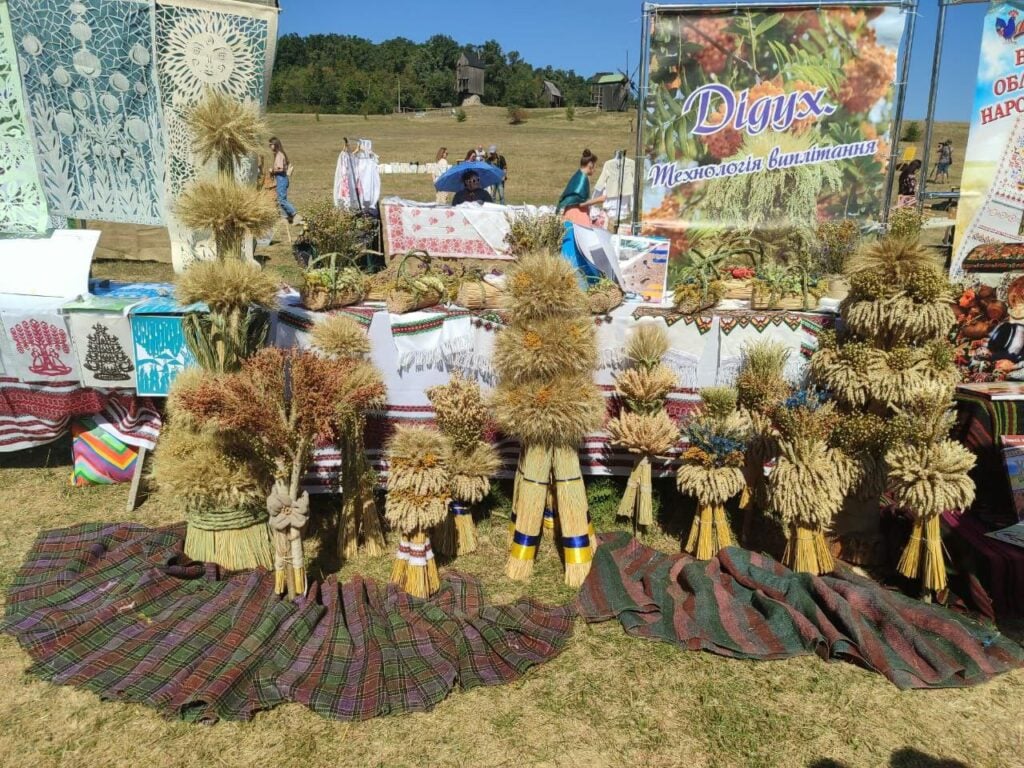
[608, 700]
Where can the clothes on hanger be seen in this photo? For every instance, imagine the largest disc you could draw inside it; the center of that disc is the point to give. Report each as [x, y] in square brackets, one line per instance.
[608, 183]
[357, 178]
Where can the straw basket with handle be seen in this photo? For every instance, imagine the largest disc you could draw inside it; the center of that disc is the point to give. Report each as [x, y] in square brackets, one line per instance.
[410, 293]
[327, 287]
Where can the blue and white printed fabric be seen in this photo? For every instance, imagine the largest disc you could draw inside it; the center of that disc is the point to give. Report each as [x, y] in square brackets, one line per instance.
[93, 104]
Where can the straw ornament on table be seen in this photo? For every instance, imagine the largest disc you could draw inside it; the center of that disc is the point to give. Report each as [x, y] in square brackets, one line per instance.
[419, 491]
[711, 471]
[643, 427]
[472, 461]
[362, 391]
[546, 398]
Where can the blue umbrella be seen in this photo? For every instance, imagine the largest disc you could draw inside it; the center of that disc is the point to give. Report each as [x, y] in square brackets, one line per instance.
[451, 180]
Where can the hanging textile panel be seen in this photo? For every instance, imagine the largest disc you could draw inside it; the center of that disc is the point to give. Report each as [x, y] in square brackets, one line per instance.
[216, 44]
[160, 349]
[104, 346]
[37, 347]
[760, 119]
[22, 204]
[94, 106]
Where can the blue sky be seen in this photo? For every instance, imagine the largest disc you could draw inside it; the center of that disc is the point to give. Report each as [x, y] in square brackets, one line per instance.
[595, 35]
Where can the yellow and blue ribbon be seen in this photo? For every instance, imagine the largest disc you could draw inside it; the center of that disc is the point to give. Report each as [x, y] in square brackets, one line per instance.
[577, 549]
[524, 546]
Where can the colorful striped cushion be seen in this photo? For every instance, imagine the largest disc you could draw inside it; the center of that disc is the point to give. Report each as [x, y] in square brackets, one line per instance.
[100, 458]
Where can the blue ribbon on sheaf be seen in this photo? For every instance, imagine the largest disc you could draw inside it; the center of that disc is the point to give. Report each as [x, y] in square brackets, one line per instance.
[576, 542]
[458, 509]
[549, 514]
[525, 540]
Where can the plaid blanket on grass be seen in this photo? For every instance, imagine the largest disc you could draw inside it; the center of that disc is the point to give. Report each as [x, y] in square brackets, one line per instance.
[745, 605]
[119, 610]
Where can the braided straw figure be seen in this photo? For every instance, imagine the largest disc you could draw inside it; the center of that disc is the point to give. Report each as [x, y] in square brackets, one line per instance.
[546, 398]
[928, 475]
[362, 390]
[762, 387]
[893, 339]
[419, 490]
[279, 405]
[643, 427]
[462, 417]
[711, 470]
[810, 480]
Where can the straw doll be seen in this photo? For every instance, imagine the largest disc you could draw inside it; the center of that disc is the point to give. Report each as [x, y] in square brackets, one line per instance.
[547, 399]
[472, 461]
[711, 470]
[418, 496]
[341, 338]
[928, 475]
[809, 482]
[643, 427]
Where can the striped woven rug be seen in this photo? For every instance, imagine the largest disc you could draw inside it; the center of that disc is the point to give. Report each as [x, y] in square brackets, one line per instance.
[100, 458]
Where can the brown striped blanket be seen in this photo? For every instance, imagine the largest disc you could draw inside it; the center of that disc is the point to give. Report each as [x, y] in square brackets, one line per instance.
[746, 605]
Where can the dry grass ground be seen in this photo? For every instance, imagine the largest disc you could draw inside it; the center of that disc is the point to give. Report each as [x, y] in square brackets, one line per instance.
[608, 700]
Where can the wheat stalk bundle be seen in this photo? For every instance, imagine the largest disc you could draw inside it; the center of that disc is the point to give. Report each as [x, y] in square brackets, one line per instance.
[648, 435]
[225, 130]
[228, 209]
[545, 349]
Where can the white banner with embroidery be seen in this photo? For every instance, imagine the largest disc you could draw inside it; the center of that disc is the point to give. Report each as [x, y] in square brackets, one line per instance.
[207, 44]
[22, 204]
[94, 106]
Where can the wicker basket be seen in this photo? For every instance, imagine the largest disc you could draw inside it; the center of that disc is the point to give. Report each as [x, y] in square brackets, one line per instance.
[479, 294]
[604, 299]
[738, 289]
[399, 302]
[320, 298]
[763, 300]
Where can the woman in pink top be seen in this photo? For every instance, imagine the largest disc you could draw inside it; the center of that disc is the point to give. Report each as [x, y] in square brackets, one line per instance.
[280, 173]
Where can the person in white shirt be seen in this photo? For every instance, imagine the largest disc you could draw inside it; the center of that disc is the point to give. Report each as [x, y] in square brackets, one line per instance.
[280, 174]
[441, 165]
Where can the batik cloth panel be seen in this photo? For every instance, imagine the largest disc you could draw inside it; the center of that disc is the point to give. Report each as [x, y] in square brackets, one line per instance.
[88, 73]
[207, 45]
[36, 347]
[22, 204]
[105, 349]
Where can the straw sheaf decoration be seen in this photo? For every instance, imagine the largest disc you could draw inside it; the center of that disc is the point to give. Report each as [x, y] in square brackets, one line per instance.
[891, 261]
[644, 389]
[229, 209]
[542, 286]
[932, 479]
[225, 129]
[227, 285]
[807, 487]
[650, 434]
[341, 337]
[899, 319]
[541, 349]
[471, 472]
[710, 486]
[760, 380]
[556, 412]
[846, 372]
[647, 345]
[417, 460]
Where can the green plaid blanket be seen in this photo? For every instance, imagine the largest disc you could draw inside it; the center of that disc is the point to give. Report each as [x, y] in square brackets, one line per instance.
[119, 610]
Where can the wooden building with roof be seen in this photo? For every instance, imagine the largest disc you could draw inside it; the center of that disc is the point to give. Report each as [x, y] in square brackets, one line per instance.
[469, 76]
[609, 91]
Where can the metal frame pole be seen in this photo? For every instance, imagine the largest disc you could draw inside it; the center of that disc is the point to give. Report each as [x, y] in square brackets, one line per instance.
[641, 116]
[933, 95]
[897, 118]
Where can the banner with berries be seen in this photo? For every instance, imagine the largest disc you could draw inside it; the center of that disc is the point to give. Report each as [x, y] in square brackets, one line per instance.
[990, 212]
[763, 122]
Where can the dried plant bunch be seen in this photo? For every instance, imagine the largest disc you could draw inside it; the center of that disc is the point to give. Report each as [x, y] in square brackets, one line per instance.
[760, 380]
[837, 242]
[894, 259]
[710, 485]
[557, 412]
[227, 285]
[644, 389]
[650, 434]
[540, 349]
[931, 479]
[209, 471]
[418, 481]
[860, 433]
[341, 337]
[718, 403]
[899, 319]
[543, 285]
[228, 209]
[534, 233]
[225, 129]
[460, 411]
[361, 390]
[846, 371]
[188, 381]
[647, 345]
[471, 472]
[330, 229]
[808, 485]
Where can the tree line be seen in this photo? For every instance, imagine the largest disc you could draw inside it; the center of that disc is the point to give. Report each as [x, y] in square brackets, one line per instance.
[346, 74]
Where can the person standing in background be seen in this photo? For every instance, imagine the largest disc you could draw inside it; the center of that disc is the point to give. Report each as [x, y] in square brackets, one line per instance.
[280, 170]
[441, 165]
[575, 202]
[498, 161]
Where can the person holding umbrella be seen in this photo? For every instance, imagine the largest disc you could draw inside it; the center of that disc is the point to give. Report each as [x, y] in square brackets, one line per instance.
[469, 182]
[471, 191]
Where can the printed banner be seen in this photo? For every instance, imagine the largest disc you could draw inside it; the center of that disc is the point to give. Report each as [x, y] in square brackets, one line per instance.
[104, 346]
[38, 347]
[762, 122]
[991, 208]
[22, 204]
[94, 106]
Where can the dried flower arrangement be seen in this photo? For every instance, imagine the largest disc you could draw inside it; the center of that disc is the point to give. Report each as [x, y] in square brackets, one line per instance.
[534, 233]
[332, 244]
[547, 399]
